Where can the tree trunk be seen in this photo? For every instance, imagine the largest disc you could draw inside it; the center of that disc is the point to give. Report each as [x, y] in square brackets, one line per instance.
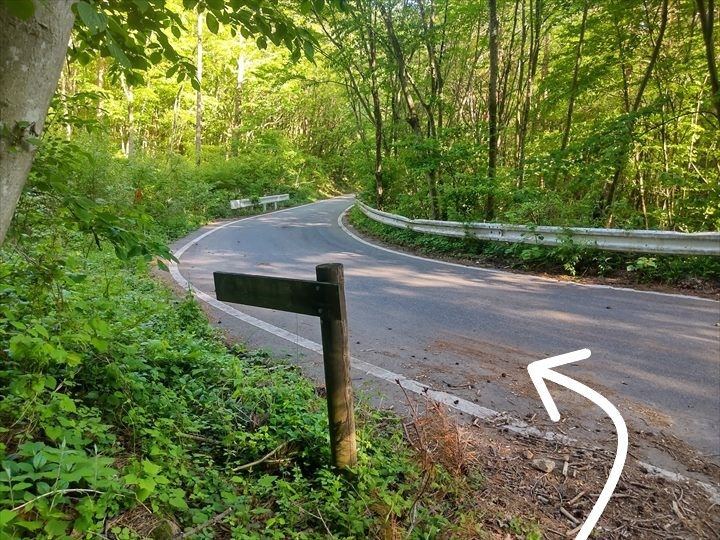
[237, 104]
[611, 187]
[377, 111]
[128, 145]
[707, 18]
[100, 83]
[66, 90]
[412, 116]
[534, 53]
[31, 58]
[492, 109]
[198, 93]
[574, 84]
[175, 120]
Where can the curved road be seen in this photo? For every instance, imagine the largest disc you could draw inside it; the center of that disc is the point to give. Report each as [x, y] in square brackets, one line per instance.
[471, 331]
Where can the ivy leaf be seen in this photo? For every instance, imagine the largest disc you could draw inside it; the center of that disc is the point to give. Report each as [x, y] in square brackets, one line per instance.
[22, 9]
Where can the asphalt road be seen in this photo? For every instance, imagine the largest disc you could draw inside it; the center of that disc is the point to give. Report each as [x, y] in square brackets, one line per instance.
[472, 332]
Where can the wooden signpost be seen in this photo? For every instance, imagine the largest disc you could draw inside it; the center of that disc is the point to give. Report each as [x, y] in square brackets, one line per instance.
[324, 298]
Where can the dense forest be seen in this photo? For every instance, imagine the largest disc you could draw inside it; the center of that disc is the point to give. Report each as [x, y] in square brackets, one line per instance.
[545, 112]
[123, 413]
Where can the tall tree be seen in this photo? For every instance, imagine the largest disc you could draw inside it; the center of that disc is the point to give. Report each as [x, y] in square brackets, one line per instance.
[34, 42]
[492, 110]
[408, 90]
[610, 189]
[29, 72]
[707, 20]
[574, 82]
[198, 91]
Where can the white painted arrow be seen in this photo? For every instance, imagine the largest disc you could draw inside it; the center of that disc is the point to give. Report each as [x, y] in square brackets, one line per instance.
[541, 370]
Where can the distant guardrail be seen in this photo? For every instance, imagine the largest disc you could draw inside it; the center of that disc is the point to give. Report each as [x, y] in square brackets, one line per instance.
[640, 241]
[246, 203]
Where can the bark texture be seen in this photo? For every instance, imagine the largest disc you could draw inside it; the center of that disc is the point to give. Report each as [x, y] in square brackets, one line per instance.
[31, 59]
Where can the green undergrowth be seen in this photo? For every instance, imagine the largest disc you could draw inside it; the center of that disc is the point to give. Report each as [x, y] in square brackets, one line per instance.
[568, 258]
[85, 179]
[125, 415]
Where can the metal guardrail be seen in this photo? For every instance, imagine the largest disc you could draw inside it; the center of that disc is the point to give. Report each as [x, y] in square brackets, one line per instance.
[246, 203]
[640, 241]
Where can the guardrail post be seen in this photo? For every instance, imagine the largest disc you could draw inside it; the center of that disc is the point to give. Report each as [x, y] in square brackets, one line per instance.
[338, 384]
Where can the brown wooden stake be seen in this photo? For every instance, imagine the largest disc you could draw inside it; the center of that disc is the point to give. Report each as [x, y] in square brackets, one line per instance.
[338, 384]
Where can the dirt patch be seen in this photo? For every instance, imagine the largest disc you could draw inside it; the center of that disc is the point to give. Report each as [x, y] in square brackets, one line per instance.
[682, 453]
[555, 485]
[651, 417]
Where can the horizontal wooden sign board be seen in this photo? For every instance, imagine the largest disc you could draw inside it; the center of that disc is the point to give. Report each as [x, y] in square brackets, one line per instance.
[295, 295]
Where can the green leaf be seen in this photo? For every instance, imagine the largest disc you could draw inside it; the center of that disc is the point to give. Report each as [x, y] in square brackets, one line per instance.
[94, 20]
[39, 460]
[22, 9]
[150, 468]
[142, 5]
[309, 50]
[6, 516]
[146, 487]
[117, 53]
[177, 499]
[306, 7]
[56, 527]
[212, 23]
[29, 525]
[66, 404]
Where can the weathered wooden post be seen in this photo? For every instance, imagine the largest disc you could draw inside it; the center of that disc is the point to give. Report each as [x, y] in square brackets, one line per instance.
[324, 298]
[338, 384]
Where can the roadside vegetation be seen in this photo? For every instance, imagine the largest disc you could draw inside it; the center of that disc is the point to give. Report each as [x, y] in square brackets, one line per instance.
[693, 274]
[123, 414]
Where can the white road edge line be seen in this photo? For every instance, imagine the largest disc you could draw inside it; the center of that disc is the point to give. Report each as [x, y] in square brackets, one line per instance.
[497, 271]
[455, 402]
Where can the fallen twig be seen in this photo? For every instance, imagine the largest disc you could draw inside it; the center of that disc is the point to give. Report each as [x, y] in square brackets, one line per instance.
[262, 459]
